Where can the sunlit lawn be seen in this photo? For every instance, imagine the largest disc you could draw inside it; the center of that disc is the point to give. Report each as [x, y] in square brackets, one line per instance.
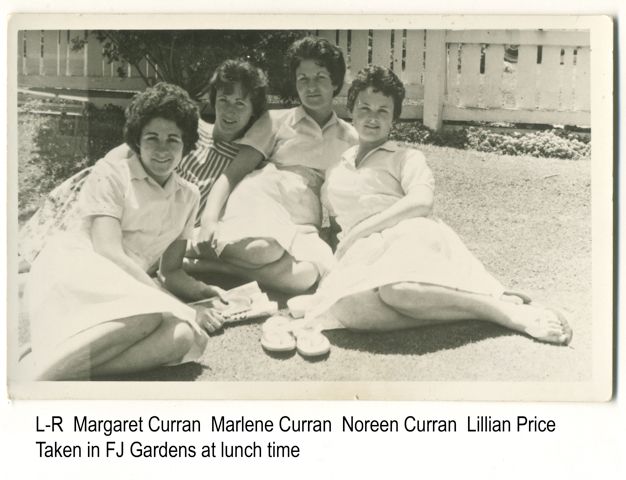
[528, 220]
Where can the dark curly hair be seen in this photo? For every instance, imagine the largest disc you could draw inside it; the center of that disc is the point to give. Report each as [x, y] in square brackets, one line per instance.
[382, 80]
[322, 52]
[167, 101]
[252, 79]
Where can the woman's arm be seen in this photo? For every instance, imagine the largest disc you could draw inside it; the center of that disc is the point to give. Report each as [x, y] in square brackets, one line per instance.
[106, 237]
[182, 285]
[246, 160]
[177, 281]
[417, 203]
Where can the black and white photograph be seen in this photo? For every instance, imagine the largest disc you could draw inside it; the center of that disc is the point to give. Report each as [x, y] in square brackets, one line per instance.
[315, 208]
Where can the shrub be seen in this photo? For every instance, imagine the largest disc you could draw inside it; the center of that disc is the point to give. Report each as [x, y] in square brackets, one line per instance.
[52, 148]
[553, 143]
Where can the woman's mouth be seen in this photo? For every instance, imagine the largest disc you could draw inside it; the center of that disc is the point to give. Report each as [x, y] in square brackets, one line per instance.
[161, 161]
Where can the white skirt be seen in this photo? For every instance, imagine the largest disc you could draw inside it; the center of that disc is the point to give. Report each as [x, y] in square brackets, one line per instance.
[422, 250]
[280, 205]
[72, 288]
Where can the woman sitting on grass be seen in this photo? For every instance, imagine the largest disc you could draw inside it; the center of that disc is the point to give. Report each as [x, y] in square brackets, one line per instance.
[237, 91]
[398, 266]
[269, 229]
[93, 309]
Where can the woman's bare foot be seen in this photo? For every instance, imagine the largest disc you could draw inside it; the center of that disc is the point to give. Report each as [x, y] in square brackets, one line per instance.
[541, 323]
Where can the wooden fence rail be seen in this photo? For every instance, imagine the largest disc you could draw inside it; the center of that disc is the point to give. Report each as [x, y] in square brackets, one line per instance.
[450, 75]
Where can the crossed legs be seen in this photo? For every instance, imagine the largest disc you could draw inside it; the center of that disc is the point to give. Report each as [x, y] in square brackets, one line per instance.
[125, 345]
[409, 305]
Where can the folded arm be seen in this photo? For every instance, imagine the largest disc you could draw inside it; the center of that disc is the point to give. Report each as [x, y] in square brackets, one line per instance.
[246, 161]
[417, 203]
[177, 281]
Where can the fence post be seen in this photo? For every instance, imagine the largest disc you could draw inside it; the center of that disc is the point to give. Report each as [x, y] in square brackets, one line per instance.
[435, 78]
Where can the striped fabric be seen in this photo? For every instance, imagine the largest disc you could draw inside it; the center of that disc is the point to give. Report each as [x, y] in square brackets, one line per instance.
[204, 165]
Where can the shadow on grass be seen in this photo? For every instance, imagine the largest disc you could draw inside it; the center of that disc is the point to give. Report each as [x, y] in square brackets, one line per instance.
[187, 372]
[418, 341]
[280, 355]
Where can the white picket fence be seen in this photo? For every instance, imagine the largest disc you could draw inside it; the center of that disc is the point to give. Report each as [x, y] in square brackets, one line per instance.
[450, 75]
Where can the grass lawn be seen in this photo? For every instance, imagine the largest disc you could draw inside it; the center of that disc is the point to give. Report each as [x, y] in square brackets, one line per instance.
[528, 219]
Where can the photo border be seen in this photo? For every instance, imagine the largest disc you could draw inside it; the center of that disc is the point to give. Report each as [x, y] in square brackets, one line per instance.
[599, 388]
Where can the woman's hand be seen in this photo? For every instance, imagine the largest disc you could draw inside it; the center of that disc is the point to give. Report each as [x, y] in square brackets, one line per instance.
[415, 204]
[209, 291]
[209, 319]
[346, 243]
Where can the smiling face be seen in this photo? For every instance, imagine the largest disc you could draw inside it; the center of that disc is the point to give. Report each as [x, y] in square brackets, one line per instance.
[160, 148]
[372, 117]
[232, 112]
[315, 88]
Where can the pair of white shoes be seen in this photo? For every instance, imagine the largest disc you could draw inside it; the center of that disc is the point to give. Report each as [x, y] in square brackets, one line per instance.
[283, 333]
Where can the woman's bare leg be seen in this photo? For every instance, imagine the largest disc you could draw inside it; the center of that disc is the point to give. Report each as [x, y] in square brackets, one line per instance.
[253, 252]
[409, 305]
[262, 260]
[366, 311]
[167, 344]
[82, 354]
[435, 304]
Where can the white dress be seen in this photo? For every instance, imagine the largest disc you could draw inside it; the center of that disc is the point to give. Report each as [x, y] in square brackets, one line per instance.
[72, 288]
[282, 200]
[420, 249]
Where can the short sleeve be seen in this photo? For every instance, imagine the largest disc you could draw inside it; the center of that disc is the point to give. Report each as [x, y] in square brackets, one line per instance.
[187, 233]
[262, 134]
[121, 152]
[414, 171]
[104, 190]
[205, 135]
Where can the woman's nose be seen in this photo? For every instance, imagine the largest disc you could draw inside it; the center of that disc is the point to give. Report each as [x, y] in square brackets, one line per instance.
[161, 146]
[229, 108]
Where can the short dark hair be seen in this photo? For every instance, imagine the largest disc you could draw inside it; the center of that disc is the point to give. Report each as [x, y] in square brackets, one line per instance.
[322, 52]
[382, 80]
[166, 101]
[252, 79]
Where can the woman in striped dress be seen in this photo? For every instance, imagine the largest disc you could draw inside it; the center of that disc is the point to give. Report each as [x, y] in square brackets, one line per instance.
[237, 91]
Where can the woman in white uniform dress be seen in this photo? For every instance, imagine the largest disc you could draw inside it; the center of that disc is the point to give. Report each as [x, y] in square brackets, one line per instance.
[267, 228]
[398, 266]
[93, 308]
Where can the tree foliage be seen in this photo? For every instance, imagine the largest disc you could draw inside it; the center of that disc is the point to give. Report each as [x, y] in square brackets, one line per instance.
[188, 57]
